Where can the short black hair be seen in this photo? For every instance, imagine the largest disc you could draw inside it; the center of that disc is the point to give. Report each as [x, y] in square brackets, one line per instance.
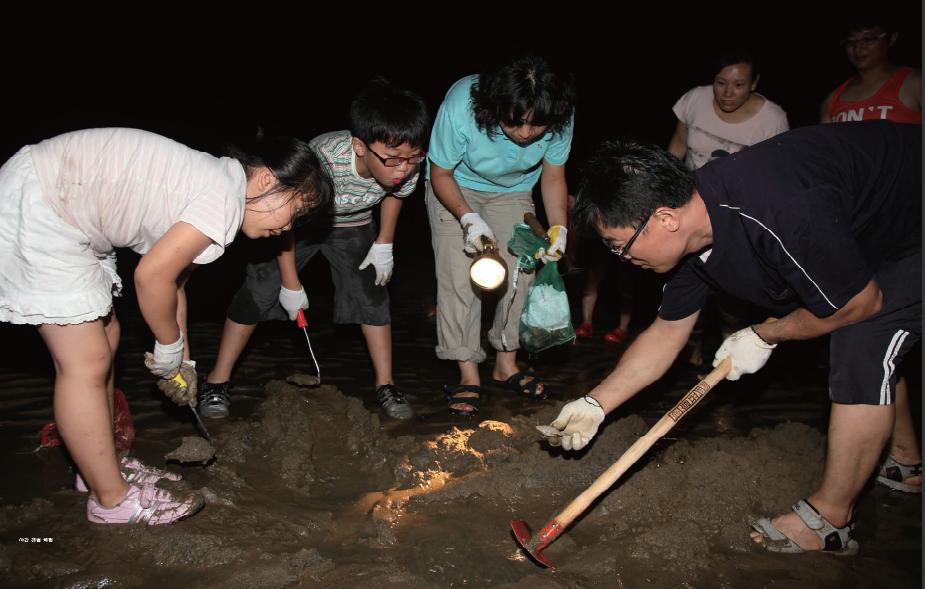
[384, 112]
[507, 92]
[624, 182]
[734, 56]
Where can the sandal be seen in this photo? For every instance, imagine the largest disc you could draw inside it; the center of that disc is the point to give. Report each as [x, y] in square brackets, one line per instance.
[835, 541]
[515, 383]
[454, 396]
[894, 475]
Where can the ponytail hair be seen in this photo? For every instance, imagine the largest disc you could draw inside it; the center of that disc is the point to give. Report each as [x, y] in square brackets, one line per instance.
[294, 164]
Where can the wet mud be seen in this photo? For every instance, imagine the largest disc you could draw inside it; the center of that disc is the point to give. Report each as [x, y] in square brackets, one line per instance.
[312, 491]
[314, 487]
[192, 450]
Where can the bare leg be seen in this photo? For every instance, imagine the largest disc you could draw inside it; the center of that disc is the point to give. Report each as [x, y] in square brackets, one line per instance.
[857, 436]
[589, 294]
[234, 337]
[83, 371]
[113, 334]
[379, 344]
[904, 447]
[468, 374]
[506, 367]
[626, 297]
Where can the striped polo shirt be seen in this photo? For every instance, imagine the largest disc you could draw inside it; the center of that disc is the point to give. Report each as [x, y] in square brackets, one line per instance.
[354, 196]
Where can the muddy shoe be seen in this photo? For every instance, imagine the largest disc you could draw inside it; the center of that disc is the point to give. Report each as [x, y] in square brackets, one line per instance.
[214, 400]
[148, 505]
[393, 402]
[135, 471]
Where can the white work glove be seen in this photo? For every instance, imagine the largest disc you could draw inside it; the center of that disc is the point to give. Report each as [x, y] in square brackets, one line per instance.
[181, 389]
[293, 300]
[474, 227]
[577, 423]
[747, 351]
[557, 236]
[165, 361]
[380, 256]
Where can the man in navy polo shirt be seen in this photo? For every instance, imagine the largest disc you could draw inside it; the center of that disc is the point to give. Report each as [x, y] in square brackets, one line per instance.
[822, 227]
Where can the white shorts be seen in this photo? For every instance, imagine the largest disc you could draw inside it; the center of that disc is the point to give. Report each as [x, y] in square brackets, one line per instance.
[48, 273]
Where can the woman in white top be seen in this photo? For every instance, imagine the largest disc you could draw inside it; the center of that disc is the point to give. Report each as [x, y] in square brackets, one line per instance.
[65, 205]
[726, 117]
[717, 120]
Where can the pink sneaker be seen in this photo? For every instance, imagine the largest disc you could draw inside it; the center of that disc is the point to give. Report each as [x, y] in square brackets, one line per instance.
[135, 471]
[146, 504]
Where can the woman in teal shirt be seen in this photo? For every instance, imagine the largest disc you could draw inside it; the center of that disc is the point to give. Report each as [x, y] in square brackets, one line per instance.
[496, 134]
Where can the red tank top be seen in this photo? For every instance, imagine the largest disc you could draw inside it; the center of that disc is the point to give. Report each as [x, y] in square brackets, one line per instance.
[884, 104]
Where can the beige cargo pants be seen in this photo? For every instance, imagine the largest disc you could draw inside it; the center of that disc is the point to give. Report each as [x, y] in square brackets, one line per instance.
[459, 301]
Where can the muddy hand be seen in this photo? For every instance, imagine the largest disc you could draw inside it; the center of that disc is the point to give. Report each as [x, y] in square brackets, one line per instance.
[181, 389]
[576, 424]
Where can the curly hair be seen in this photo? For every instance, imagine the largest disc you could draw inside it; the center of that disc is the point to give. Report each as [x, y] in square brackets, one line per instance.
[525, 88]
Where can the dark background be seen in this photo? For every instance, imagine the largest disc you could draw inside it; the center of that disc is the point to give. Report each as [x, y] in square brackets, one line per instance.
[201, 75]
[205, 74]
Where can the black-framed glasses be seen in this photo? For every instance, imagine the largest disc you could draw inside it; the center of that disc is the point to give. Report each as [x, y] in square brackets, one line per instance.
[864, 41]
[395, 161]
[623, 252]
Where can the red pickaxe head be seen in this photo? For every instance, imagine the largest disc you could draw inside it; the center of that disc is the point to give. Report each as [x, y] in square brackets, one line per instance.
[533, 546]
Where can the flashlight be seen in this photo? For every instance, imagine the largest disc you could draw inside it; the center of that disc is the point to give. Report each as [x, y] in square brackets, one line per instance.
[488, 270]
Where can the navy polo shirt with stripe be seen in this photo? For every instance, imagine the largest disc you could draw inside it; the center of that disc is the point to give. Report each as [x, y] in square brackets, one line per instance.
[805, 219]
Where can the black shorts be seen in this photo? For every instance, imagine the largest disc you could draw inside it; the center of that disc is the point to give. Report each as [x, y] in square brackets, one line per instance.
[357, 299]
[864, 356]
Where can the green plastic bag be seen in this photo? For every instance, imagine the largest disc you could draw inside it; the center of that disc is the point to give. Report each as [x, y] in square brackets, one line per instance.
[546, 320]
[524, 244]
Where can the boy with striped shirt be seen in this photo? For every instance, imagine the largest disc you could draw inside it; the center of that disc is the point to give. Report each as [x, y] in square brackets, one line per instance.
[375, 163]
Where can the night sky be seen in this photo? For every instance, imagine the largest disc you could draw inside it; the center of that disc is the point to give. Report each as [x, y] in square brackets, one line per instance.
[202, 76]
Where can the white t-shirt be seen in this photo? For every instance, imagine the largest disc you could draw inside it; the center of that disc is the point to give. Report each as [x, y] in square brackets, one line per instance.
[709, 136]
[127, 187]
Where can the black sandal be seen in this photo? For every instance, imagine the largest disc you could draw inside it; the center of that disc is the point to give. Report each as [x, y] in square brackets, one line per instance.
[513, 383]
[454, 397]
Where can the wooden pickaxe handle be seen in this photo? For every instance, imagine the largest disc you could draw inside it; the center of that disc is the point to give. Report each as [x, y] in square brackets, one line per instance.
[534, 223]
[642, 445]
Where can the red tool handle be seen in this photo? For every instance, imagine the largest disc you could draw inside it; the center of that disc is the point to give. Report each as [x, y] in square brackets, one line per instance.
[300, 319]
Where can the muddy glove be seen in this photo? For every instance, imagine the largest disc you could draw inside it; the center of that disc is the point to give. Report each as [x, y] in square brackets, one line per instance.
[474, 227]
[380, 256]
[555, 249]
[293, 300]
[577, 423]
[747, 351]
[181, 389]
[165, 361]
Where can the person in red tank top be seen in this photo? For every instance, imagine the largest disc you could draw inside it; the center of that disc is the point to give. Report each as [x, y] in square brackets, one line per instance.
[880, 89]
[883, 90]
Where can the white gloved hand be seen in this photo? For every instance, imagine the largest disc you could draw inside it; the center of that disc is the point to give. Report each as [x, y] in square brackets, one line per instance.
[165, 361]
[577, 423]
[557, 237]
[293, 300]
[474, 227]
[747, 351]
[380, 256]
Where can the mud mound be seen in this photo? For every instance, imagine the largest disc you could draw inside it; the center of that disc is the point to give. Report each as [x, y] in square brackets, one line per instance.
[313, 492]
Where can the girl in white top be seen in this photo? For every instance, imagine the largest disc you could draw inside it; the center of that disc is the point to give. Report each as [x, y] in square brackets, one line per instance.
[727, 117]
[65, 205]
